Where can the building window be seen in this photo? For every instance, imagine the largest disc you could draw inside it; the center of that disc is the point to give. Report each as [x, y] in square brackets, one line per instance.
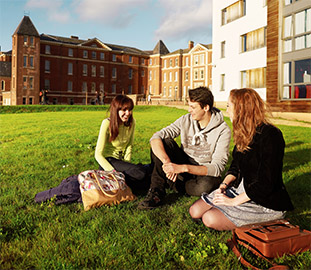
[202, 59]
[70, 52]
[46, 84]
[85, 54]
[30, 101]
[143, 61]
[130, 73]
[114, 72]
[165, 63]
[297, 31]
[69, 68]
[176, 62]
[150, 61]
[31, 41]
[84, 71]
[222, 82]
[176, 76]
[101, 71]
[114, 58]
[171, 62]
[170, 76]
[47, 49]
[202, 73]
[113, 88]
[84, 87]
[150, 89]
[93, 55]
[223, 49]
[102, 56]
[24, 100]
[150, 75]
[196, 59]
[195, 74]
[186, 75]
[24, 82]
[25, 61]
[300, 72]
[187, 61]
[170, 91]
[164, 77]
[93, 89]
[143, 73]
[93, 71]
[130, 89]
[253, 78]
[31, 61]
[69, 86]
[25, 40]
[31, 82]
[47, 66]
[233, 12]
[253, 40]
[101, 87]
[130, 59]
[2, 85]
[164, 91]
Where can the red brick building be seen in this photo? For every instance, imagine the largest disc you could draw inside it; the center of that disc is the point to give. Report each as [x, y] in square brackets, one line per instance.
[75, 71]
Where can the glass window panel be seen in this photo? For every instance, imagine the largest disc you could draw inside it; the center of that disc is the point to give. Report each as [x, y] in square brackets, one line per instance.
[300, 43]
[287, 45]
[308, 41]
[300, 22]
[308, 21]
[302, 67]
[287, 68]
[288, 31]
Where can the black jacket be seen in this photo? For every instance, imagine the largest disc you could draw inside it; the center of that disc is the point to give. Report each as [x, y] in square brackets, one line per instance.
[261, 168]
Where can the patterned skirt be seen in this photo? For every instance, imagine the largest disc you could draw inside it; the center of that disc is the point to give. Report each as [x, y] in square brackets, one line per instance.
[245, 213]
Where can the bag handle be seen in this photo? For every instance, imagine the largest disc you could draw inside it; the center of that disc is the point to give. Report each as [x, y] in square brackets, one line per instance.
[233, 244]
[114, 193]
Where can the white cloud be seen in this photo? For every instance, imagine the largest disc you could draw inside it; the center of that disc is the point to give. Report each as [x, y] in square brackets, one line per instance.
[54, 9]
[116, 13]
[184, 19]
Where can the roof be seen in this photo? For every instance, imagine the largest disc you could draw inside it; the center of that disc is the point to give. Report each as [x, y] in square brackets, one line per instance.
[81, 42]
[26, 27]
[160, 48]
[5, 69]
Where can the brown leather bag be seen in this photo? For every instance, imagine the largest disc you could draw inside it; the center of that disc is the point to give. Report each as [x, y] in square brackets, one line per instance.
[269, 240]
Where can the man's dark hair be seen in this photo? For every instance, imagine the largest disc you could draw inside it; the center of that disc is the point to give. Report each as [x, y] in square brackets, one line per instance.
[203, 96]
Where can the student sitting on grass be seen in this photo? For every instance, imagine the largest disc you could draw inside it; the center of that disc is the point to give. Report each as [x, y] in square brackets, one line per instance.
[253, 190]
[196, 166]
[115, 143]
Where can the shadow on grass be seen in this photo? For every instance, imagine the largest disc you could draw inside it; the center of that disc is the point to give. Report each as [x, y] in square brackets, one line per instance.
[299, 191]
[296, 158]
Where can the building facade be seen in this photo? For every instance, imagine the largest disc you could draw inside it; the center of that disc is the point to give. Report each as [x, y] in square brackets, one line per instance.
[265, 45]
[289, 55]
[60, 70]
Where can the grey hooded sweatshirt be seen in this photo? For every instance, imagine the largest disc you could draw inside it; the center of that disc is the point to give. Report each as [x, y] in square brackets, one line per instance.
[208, 147]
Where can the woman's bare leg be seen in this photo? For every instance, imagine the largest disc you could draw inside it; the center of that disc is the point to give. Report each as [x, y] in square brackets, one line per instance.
[199, 208]
[215, 219]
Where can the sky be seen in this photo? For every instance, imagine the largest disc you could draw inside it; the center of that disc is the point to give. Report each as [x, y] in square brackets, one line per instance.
[135, 23]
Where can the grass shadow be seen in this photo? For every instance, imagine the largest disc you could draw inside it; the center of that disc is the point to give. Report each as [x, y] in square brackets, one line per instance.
[293, 159]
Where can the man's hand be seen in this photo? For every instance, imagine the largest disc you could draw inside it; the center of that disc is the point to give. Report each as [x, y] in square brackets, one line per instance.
[172, 170]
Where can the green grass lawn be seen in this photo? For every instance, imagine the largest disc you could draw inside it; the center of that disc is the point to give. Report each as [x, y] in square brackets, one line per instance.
[39, 149]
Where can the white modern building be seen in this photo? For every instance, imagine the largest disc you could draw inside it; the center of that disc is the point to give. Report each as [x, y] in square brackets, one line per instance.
[239, 46]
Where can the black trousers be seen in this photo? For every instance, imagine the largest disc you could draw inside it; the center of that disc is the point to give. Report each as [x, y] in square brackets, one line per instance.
[137, 176]
[193, 185]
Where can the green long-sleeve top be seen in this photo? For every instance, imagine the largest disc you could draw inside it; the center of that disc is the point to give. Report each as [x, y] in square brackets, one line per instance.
[120, 148]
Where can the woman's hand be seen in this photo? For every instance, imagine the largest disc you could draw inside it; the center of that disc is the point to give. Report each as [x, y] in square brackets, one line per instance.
[221, 199]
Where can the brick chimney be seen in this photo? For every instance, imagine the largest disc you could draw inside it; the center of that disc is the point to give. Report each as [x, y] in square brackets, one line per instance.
[190, 44]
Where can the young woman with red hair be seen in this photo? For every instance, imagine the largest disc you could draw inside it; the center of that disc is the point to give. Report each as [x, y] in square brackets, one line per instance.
[252, 190]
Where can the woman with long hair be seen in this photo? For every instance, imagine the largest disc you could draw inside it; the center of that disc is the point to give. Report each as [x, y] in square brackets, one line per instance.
[252, 190]
[115, 142]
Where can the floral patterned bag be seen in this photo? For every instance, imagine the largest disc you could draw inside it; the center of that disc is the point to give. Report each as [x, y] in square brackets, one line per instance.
[103, 187]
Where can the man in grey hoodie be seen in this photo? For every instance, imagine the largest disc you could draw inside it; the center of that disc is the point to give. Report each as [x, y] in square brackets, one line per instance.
[197, 165]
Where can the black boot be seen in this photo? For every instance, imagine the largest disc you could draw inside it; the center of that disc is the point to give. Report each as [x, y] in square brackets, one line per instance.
[153, 199]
